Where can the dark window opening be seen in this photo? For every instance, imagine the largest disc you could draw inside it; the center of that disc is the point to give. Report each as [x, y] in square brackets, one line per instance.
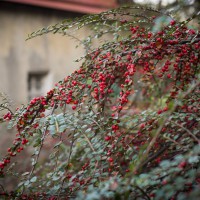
[36, 84]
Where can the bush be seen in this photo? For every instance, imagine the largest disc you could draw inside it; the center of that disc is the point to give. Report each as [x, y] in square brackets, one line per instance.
[125, 125]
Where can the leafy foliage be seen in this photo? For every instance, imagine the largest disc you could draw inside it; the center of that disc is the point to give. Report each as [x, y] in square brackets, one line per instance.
[125, 125]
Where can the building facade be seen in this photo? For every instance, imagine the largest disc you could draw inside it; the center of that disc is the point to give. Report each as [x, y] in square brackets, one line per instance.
[30, 68]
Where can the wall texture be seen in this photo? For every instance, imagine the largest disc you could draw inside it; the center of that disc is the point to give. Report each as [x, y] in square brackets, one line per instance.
[50, 56]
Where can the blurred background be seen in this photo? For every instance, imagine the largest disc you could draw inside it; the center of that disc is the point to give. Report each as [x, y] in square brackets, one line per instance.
[30, 68]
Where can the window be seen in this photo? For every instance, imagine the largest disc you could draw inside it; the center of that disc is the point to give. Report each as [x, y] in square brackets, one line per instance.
[37, 84]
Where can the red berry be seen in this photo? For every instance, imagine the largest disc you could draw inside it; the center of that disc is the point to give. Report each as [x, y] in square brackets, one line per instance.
[182, 164]
[164, 182]
[1, 165]
[110, 160]
[142, 126]
[173, 22]
[107, 138]
[73, 107]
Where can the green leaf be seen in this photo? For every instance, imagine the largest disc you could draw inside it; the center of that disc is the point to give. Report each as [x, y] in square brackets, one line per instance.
[52, 130]
[34, 179]
[88, 130]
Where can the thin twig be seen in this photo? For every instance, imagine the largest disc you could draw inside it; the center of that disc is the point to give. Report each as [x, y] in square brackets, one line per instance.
[90, 144]
[152, 142]
[96, 123]
[5, 107]
[70, 153]
[173, 141]
[39, 151]
[143, 192]
[189, 132]
[2, 188]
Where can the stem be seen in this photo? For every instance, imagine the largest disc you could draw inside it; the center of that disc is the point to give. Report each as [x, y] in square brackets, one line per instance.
[143, 192]
[90, 144]
[2, 188]
[5, 107]
[96, 123]
[189, 132]
[70, 153]
[152, 142]
[39, 151]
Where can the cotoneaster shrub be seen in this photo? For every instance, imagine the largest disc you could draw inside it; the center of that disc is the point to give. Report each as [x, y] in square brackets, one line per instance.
[125, 125]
